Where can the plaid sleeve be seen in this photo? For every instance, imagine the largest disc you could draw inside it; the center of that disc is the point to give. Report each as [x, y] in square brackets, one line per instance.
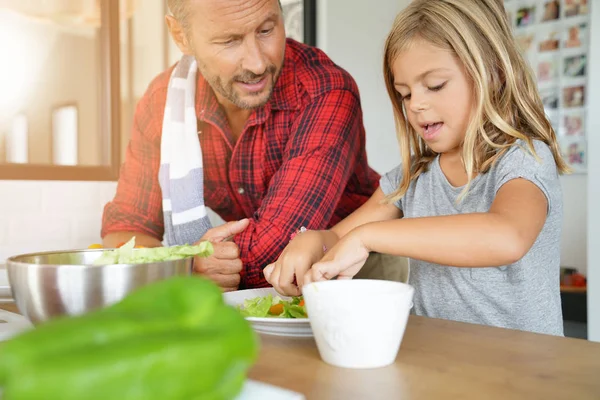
[320, 156]
[137, 205]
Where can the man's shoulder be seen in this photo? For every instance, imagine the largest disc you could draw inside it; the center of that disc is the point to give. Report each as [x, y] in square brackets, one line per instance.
[150, 108]
[159, 84]
[317, 73]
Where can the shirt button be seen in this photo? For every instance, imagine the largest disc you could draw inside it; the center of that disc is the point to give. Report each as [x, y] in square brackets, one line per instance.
[241, 190]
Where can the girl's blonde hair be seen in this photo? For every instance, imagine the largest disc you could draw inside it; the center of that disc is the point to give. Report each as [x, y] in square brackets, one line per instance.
[507, 104]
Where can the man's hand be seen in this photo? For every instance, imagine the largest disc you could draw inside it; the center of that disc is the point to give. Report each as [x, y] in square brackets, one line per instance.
[224, 266]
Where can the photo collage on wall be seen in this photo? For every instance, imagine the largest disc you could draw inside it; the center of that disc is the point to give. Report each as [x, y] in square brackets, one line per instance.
[554, 37]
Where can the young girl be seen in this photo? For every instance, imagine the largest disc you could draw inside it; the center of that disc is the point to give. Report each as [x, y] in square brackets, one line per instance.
[478, 206]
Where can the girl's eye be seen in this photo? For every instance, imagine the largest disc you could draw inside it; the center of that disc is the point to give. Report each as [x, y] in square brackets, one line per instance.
[437, 88]
[405, 97]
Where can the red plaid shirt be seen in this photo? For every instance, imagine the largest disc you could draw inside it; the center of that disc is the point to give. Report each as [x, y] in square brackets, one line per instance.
[300, 160]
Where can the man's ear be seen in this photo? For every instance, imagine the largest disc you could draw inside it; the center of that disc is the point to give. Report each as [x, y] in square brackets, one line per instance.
[178, 35]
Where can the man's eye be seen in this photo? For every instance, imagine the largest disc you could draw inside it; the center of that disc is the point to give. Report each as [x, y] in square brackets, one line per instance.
[226, 42]
[266, 31]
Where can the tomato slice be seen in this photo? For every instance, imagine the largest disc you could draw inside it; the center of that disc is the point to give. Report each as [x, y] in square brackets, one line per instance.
[276, 309]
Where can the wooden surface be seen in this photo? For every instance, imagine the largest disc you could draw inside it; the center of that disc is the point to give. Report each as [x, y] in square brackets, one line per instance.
[441, 360]
[9, 307]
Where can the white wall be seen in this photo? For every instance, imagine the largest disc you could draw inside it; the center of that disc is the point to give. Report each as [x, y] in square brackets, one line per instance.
[593, 127]
[353, 33]
[39, 216]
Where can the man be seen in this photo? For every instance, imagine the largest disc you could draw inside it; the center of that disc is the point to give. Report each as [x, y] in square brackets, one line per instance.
[280, 143]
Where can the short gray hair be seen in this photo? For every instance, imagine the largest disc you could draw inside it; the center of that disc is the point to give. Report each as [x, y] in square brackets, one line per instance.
[179, 9]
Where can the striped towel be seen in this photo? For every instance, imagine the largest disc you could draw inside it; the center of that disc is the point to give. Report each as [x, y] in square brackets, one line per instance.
[180, 174]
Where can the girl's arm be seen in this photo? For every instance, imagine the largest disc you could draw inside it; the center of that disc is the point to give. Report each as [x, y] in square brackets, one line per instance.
[501, 236]
[372, 211]
[307, 248]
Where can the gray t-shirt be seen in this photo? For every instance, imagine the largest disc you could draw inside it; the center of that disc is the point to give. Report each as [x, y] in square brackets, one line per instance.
[524, 295]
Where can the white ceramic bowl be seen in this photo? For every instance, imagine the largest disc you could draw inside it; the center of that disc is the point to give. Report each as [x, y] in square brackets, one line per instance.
[358, 323]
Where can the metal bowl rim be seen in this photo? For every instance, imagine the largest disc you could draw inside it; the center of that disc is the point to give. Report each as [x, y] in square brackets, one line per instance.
[14, 260]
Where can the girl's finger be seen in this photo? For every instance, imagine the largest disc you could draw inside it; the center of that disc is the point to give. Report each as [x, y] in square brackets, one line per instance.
[307, 278]
[274, 280]
[286, 279]
[267, 271]
[323, 271]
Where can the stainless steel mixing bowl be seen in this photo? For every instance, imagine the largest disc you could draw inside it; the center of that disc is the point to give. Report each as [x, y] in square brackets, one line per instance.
[50, 284]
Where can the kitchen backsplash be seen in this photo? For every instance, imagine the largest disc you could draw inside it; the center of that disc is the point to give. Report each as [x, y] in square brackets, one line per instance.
[50, 215]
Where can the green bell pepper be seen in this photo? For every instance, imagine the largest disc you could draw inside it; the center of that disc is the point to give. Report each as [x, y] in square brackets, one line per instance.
[184, 301]
[175, 339]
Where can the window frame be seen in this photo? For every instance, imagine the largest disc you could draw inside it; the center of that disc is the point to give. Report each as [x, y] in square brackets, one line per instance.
[110, 115]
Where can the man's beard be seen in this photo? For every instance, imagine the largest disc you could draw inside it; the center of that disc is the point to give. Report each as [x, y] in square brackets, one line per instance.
[228, 91]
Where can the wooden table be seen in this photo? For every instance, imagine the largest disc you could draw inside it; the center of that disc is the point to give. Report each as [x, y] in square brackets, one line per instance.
[441, 360]
[9, 307]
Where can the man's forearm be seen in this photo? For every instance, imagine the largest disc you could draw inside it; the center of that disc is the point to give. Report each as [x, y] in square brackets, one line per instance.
[113, 240]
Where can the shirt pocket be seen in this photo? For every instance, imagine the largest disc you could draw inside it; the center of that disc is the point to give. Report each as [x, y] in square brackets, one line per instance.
[506, 273]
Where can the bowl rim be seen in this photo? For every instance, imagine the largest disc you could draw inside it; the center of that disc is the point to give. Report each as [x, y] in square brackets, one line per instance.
[16, 260]
[332, 283]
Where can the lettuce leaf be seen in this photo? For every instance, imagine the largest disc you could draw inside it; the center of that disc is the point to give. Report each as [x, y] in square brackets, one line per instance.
[257, 307]
[128, 254]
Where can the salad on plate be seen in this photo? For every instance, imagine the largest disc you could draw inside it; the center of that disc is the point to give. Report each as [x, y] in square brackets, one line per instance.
[270, 306]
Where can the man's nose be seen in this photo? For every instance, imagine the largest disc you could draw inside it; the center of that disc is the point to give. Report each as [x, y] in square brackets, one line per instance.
[254, 59]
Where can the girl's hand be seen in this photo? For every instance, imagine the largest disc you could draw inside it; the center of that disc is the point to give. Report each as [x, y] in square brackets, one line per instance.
[343, 261]
[287, 273]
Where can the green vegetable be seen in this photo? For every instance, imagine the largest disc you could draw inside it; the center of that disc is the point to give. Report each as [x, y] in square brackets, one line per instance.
[257, 307]
[186, 301]
[127, 254]
[266, 307]
[175, 340]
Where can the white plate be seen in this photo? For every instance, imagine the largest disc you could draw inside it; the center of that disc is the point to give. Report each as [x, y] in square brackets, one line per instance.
[5, 293]
[12, 324]
[272, 326]
[254, 390]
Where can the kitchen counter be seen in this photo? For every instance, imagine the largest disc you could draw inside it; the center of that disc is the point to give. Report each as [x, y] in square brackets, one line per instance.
[441, 359]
